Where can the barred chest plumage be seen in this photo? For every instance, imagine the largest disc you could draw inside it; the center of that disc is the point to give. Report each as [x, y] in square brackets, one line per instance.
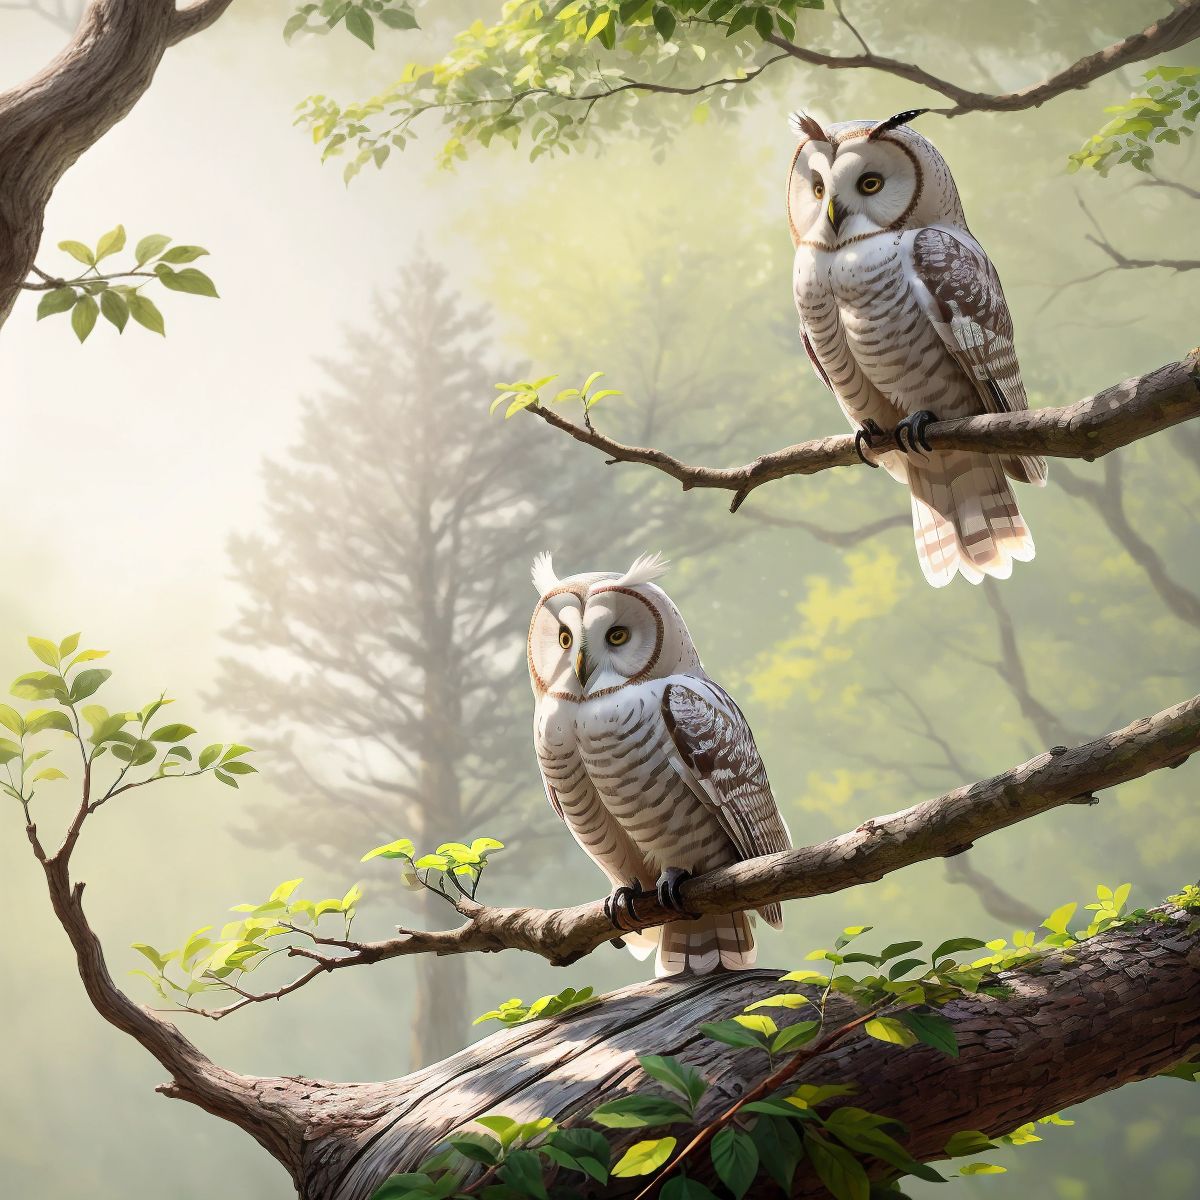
[869, 334]
[626, 750]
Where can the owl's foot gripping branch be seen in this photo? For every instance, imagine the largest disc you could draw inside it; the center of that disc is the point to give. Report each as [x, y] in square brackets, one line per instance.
[1088, 429]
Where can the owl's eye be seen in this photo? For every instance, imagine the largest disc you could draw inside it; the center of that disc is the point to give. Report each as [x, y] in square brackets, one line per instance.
[818, 189]
[564, 637]
[870, 183]
[618, 635]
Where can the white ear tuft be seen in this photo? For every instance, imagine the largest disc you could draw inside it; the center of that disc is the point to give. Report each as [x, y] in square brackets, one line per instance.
[544, 578]
[645, 569]
[802, 125]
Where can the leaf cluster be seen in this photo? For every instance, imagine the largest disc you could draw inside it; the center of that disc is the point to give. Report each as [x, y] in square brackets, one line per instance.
[527, 394]
[95, 293]
[357, 18]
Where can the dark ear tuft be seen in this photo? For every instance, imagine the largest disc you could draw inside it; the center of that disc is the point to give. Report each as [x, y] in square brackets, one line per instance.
[901, 118]
[805, 126]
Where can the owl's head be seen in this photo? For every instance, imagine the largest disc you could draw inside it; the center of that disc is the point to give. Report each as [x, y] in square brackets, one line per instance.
[600, 631]
[859, 178]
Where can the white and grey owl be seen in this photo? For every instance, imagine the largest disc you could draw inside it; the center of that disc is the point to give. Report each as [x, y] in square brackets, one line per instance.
[648, 761]
[903, 317]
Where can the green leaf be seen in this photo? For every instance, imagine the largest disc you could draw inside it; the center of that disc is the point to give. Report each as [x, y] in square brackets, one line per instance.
[601, 395]
[57, 301]
[784, 1000]
[188, 280]
[868, 1139]
[359, 23]
[837, 1168]
[679, 1077]
[794, 1036]
[151, 246]
[48, 774]
[184, 254]
[680, 1187]
[850, 933]
[780, 1149]
[11, 719]
[982, 1168]
[638, 1110]
[967, 1142]
[933, 1030]
[642, 1158]
[1058, 920]
[111, 242]
[172, 733]
[522, 1170]
[87, 683]
[90, 655]
[45, 650]
[898, 948]
[115, 309]
[398, 18]
[8, 751]
[955, 946]
[735, 1160]
[888, 1029]
[145, 313]
[159, 961]
[902, 968]
[83, 316]
[209, 755]
[79, 251]
[732, 1033]
[664, 22]
[1185, 1070]
[41, 721]
[478, 1147]
[401, 848]
[227, 780]
[39, 685]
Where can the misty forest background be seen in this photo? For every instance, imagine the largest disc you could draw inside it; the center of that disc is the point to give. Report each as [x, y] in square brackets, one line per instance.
[296, 515]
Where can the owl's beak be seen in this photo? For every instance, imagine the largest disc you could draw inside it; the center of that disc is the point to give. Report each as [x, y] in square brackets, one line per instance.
[836, 215]
[581, 667]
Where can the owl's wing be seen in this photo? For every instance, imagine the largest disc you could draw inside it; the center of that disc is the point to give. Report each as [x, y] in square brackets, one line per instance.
[608, 846]
[821, 373]
[960, 293]
[719, 760]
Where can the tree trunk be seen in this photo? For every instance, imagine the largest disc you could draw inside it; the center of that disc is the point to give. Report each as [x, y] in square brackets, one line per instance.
[1120, 1007]
[48, 122]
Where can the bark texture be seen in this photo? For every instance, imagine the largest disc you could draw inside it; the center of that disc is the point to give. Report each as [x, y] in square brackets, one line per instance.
[49, 121]
[1087, 429]
[1119, 1008]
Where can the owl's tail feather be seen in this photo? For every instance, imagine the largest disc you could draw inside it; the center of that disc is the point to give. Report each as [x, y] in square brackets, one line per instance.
[965, 519]
[707, 944]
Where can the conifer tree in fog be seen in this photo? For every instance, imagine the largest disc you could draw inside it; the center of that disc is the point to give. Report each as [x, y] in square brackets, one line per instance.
[386, 598]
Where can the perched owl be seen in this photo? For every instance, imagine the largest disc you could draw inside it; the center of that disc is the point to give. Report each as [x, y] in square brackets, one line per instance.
[903, 317]
[648, 761]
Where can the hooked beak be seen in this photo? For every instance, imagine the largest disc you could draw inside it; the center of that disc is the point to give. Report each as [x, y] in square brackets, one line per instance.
[582, 667]
[836, 215]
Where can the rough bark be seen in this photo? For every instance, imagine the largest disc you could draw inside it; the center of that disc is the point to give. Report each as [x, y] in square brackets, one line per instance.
[1087, 429]
[1122, 1006]
[49, 121]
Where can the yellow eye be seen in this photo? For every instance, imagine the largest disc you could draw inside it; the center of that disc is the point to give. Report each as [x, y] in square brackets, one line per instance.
[818, 189]
[564, 637]
[870, 183]
[618, 635]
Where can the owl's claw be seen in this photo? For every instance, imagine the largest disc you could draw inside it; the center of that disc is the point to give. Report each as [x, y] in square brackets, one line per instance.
[916, 424]
[864, 436]
[619, 909]
[667, 890]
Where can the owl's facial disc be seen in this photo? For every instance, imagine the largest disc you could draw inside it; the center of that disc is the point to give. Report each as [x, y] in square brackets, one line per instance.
[839, 193]
[622, 638]
[555, 645]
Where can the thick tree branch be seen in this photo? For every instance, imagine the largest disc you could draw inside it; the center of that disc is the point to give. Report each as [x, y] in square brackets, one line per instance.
[1120, 1007]
[937, 828]
[195, 18]
[1178, 28]
[1088, 429]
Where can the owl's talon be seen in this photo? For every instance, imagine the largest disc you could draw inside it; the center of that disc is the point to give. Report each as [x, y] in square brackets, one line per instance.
[667, 890]
[620, 903]
[915, 424]
[868, 431]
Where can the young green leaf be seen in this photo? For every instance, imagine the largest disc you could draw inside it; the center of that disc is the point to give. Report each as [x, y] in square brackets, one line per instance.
[638, 1110]
[145, 313]
[111, 243]
[933, 1030]
[679, 1077]
[956, 946]
[735, 1160]
[967, 1142]
[888, 1029]
[642, 1158]
[78, 251]
[56, 301]
[83, 316]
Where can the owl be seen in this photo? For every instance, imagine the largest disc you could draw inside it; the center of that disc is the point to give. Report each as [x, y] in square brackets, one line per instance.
[648, 761]
[903, 318]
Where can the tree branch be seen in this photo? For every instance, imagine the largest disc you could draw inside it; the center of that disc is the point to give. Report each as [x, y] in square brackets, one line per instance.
[937, 828]
[1178, 28]
[1088, 429]
[195, 18]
